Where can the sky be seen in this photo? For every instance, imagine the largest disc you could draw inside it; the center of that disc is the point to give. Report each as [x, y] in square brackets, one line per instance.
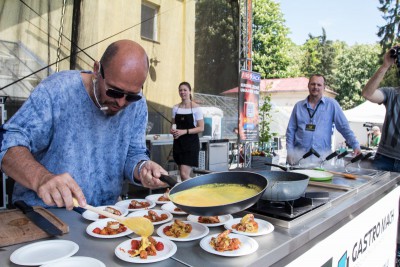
[352, 21]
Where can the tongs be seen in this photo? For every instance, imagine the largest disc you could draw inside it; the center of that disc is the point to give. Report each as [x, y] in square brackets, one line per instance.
[291, 167]
[329, 157]
[309, 153]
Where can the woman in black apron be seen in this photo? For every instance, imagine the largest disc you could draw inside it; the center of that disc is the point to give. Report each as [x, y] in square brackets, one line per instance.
[187, 119]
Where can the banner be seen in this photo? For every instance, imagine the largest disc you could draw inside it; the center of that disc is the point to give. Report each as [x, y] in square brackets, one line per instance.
[249, 91]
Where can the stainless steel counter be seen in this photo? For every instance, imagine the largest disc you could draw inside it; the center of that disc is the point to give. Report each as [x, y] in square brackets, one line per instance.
[278, 248]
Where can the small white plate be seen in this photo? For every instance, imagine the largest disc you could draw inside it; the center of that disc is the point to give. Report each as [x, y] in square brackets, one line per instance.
[101, 224]
[121, 251]
[141, 213]
[125, 204]
[170, 207]
[155, 198]
[38, 253]
[248, 246]
[222, 220]
[264, 227]
[76, 261]
[198, 231]
[92, 216]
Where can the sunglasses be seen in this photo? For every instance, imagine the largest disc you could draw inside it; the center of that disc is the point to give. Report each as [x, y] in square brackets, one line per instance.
[116, 93]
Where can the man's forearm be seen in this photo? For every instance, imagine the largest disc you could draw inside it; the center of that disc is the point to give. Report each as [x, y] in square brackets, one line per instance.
[19, 164]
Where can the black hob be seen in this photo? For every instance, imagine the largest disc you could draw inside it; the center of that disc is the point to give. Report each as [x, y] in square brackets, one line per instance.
[288, 210]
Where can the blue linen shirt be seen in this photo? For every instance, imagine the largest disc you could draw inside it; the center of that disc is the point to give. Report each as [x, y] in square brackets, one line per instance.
[66, 132]
[328, 115]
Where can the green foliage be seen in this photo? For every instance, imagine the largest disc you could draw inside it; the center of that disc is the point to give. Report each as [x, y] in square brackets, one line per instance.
[266, 116]
[389, 32]
[216, 46]
[355, 66]
[270, 41]
[319, 56]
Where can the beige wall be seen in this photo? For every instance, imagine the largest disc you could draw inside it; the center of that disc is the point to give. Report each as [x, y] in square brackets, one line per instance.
[100, 20]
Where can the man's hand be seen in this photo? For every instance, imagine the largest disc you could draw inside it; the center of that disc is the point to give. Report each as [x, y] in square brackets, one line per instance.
[150, 173]
[356, 151]
[59, 189]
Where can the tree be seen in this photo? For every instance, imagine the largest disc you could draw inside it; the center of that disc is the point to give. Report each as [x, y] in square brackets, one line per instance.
[390, 32]
[270, 41]
[216, 47]
[355, 66]
[320, 55]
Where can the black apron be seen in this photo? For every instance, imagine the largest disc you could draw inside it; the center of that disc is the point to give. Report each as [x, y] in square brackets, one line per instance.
[186, 148]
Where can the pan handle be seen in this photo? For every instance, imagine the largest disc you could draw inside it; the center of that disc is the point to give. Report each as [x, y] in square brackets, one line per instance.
[276, 165]
[168, 179]
[331, 156]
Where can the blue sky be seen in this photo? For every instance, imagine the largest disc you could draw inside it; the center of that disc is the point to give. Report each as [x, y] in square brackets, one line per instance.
[352, 21]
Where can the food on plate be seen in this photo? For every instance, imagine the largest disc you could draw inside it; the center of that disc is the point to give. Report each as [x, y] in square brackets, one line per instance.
[208, 219]
[214, 194]
[165, 196]
[247, 224]
[147, 246]
[178, 229]
[138, 204]
[178, 209]
[110, 210]
[112, 228]
[154, 217]
[224, 243]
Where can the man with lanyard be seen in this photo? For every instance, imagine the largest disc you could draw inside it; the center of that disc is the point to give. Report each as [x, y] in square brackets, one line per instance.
[312, 122]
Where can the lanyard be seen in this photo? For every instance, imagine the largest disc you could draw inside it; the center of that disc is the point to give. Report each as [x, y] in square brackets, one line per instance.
[309, 113]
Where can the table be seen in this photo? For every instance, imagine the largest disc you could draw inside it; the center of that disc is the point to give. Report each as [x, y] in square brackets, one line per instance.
[279, 248]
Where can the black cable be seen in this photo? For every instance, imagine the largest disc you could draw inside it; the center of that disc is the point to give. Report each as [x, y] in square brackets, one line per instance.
[158, 112]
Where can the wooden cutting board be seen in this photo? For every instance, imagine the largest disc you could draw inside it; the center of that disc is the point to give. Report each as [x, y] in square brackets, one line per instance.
[16, 228]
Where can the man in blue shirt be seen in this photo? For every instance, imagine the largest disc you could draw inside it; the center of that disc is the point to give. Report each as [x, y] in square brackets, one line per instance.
[312, 122]
[81, 134]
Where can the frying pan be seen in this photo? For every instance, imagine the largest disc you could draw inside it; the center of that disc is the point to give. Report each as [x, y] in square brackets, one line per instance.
[231, 177]
[283, 186]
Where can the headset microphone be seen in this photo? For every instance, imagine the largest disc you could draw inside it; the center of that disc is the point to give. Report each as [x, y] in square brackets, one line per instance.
[102, 108]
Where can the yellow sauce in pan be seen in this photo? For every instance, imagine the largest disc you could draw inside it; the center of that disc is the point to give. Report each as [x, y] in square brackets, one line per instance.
[214, 194]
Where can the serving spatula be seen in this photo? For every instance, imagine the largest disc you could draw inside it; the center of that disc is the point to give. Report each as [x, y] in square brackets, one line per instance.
[139, 225]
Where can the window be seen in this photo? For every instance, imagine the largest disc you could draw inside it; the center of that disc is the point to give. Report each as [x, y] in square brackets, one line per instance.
[148, 27]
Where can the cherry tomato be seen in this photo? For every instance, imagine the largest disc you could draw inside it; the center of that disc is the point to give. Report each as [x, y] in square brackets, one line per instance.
[96, 230]
[159, 246]
[135, 244]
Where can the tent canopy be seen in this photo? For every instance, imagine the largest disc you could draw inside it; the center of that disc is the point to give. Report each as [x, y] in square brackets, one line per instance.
[366, 112]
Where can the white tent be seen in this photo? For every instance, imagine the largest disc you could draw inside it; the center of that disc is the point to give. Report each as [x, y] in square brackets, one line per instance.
[366, 112]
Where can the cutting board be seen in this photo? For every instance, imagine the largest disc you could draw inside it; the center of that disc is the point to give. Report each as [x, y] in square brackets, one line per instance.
[16, 228]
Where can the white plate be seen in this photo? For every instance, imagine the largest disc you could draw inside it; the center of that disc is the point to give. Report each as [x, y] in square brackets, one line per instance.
[101, 224]
[264, 227]
[76, 261]
[198, 231]
[125, 204]
[92, 216]
[222, 220]
[248, 246]
[121, 251]
[141, 213]
[155, 198]
[316, 175]
[44, 252]
[170, 207]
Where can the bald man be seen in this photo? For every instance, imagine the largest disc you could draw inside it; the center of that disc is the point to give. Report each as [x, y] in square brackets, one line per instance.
[82, 133]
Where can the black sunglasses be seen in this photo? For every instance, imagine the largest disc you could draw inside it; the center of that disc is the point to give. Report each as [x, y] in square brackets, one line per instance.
[116, 93]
